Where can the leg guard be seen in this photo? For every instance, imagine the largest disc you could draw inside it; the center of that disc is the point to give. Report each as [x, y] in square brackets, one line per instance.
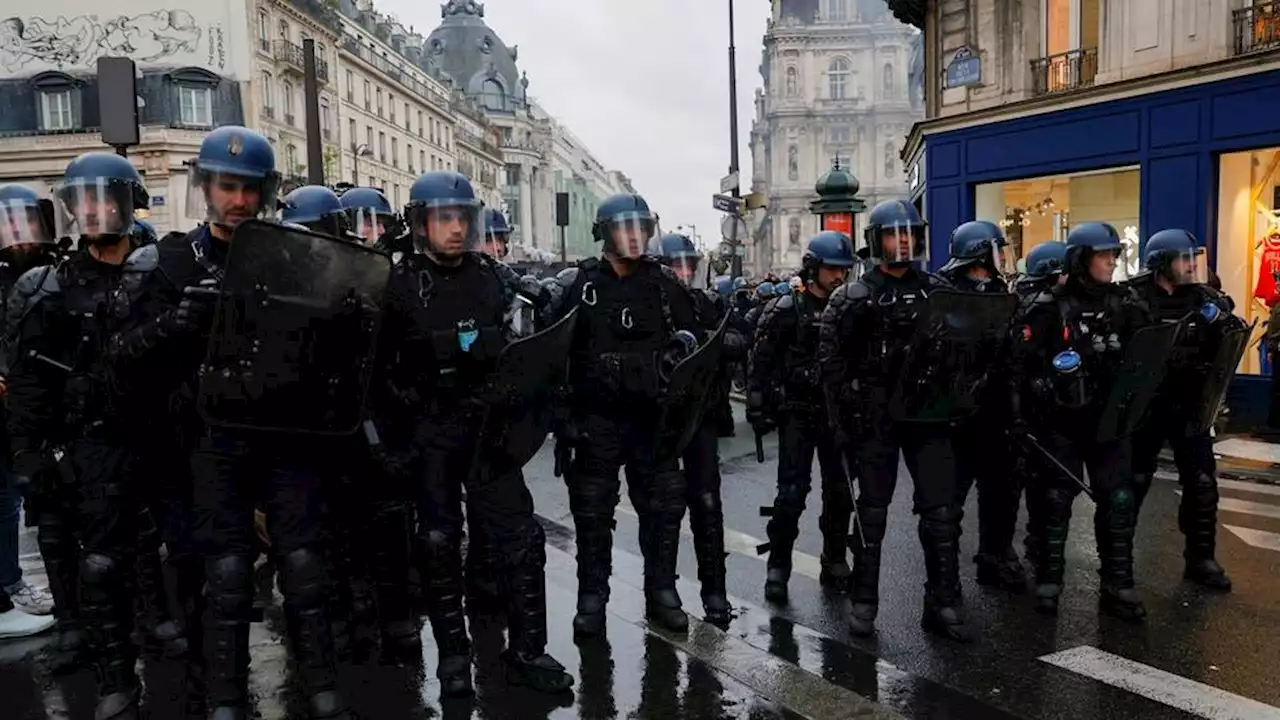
[706, 519]
[866, 542]
[1198, 520]
[391, 555]
[939, 531]
[1113, 523]
[230, 599]
[155, 623]
[305, 586]
[61, 552]
[667, 513]
[527, 585]
[837, 509]
[107, 615]
[444, 593]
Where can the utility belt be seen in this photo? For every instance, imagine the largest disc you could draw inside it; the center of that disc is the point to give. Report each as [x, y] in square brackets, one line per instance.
[627, 374]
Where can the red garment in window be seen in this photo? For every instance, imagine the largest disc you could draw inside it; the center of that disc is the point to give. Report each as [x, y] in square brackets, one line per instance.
[1265, 289]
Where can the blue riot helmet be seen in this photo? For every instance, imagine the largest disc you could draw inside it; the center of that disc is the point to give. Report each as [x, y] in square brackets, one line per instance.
[764, 291]
[1047, 260]
[678, 252]
[978, 243]
[1086, 241]
[1176, 256]
[233, 178]
[829, 249]
[723, 285]
[444, 215]
[368, 212]
[96, 198]
[626, 226]
[781, 288]
[895, 233]
[316, 208]
[144, 233]
[22, 222]
[497, 233]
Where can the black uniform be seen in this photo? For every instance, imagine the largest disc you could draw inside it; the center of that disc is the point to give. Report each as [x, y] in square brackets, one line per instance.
[1173, 414]
[865, 332]
[1064, 410]
[443, 333]
[784, 385]
[614, 402]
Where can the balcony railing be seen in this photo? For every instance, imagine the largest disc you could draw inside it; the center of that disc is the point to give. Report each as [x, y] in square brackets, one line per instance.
[293, 57]
[382, 65]
[1065, 71]
[1256, 28]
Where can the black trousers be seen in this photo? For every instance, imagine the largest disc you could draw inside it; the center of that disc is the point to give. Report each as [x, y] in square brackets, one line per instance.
[234, 473]
[706, 511]
[500, 506]
[801, 436]
[1197, 473]
[985, 457]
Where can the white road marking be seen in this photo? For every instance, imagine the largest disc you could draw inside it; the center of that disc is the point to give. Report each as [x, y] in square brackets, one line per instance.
[1248, 449]
[1233, 485]
[1163, 687]
[1257, 538]
[745, 545]
[1227, 504]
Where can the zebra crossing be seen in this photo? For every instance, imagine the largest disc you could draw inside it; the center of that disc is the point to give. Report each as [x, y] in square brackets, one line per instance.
[1244, 509]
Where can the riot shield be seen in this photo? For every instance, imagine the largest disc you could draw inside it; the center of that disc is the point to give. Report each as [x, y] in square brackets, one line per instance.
[1135, 384]
[1218, 375]
[956, 345]
[519, 394]
[294, 332]
[684, 400]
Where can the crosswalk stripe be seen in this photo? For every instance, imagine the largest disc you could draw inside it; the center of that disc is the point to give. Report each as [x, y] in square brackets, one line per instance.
[1248, 449]
[1233, 485]
[1228, 504]
[743, 544]
[1163, 687]
[1257, 538]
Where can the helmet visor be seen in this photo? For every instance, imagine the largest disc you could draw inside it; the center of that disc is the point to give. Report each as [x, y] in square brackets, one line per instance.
[629, 235]
[692, 269]
[22, 223]
[228, 200]
[1189, 267]
[447, 228]
[899, 243]
[368, 223]
[93, 207]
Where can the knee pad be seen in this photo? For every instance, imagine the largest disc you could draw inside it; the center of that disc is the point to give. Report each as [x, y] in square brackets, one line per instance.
[791, 498]
[230, 575]
[708, 502]
[302, 575]
[98, 569]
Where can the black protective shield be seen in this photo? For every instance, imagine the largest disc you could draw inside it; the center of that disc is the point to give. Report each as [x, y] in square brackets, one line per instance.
[685, 398]
[294, 334]
[956, 346]
[1135, 384]
[1218, 376]
[520, 393]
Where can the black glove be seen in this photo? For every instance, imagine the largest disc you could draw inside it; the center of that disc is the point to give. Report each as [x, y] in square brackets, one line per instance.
[758, 414]
[198, 303]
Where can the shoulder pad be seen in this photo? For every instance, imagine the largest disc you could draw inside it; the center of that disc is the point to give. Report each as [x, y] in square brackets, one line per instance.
[1044, 297]
[588, 264]
[786, 302]
[40, 279]
[173, 236]
[567, 277]
[143, 260]
[857, 290]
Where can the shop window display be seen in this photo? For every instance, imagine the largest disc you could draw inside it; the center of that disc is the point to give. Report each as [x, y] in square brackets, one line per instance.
[1247, 248]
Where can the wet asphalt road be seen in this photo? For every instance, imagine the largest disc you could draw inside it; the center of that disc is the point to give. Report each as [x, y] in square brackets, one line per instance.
[1198, 655]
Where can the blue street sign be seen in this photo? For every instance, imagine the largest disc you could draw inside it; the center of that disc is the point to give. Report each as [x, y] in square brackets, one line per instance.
[727, 204]
[964, 69]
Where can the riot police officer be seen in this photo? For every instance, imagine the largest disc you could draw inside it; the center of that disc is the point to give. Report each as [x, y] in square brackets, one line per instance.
[1067, 357]
[62, 390]
[1212, 341]
[1046, 267]
[317, 208]
[445, 330]
[497, 234]
[370, 216]
[784, 390]
[632, 310]
[701, 458]
[977, 264]
[865, 334]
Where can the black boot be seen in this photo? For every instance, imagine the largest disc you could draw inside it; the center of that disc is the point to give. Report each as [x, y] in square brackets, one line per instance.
[391, 555]
[528, 663]
[230, 600]
[1198, 520]
[157, 629]
[864, 587]
[1113, 524]
[1003, 570]
[706, 518]
[592, 504]
[662, 552]
[444, 605]
[837, 509]
[1055, 505]
[939, 531]
[784, 526]
[481, 573]
[69, 650]
[107, 614]
[997, 561]
[306, 588]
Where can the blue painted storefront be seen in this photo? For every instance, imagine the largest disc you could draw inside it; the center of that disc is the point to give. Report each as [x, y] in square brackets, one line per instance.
[1174, 136]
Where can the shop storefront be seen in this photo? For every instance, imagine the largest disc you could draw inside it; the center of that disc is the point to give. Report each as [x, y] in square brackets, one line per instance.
[1203, 157]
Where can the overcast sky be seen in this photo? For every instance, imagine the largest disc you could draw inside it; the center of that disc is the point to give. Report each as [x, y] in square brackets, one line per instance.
[643, 84]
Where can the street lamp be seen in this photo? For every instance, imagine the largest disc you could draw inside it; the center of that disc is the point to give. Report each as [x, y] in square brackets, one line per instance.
[357, 152]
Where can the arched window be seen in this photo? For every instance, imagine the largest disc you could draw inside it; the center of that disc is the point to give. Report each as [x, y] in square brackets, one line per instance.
[890, 160]
[793, 162]
[793, 82]
[493, 94]
[838, 78]
[888, 80]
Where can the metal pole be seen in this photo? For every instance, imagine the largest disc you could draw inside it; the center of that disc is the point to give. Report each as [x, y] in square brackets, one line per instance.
[355, 165]
[311, 96]
[733, 139]
[564, 245]
[122, 150]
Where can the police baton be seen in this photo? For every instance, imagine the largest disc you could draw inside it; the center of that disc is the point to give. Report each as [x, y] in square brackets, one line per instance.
[1033, 442]
[759, 446]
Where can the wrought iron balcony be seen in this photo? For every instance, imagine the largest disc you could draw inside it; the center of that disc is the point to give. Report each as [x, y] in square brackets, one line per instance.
[1256, 28]
[1064, 71]
[293, 58]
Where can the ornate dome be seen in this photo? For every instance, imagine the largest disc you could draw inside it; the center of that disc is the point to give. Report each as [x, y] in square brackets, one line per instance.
[477, 60]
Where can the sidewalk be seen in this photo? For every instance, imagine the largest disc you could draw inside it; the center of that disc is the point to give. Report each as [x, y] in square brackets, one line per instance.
[1242, 457]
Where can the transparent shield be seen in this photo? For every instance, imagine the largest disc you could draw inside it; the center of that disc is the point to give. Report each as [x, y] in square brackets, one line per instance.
[693, 270]
[446, 227]
[630, 235]
[22, 224]
[901, 243]
[1190, 268]
[368, 223]
[228, 200]
[93, 207]
[1001, 259]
